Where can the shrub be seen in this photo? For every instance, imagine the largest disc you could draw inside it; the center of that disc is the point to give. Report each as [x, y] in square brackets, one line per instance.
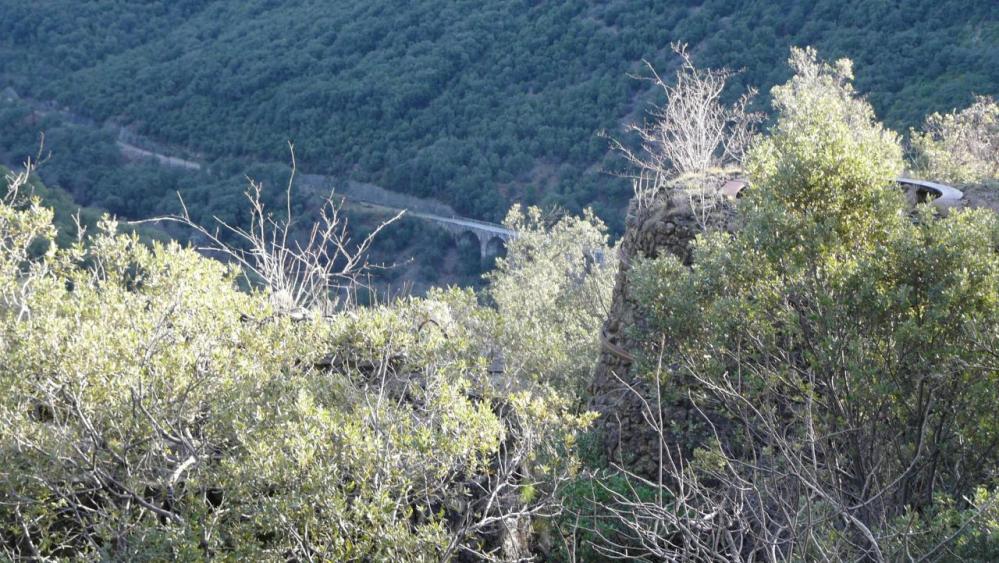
[962, 146]
[152, 410]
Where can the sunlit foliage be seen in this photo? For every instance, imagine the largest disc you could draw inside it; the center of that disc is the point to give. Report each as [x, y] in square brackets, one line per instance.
[842, 355]
[151, 410]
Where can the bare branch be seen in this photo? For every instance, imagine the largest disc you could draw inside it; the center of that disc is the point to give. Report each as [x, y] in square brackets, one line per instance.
[690, 134]
[317, 271]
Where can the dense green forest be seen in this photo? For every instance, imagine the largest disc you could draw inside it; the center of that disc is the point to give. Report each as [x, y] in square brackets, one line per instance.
[478, 104]
[81, 164]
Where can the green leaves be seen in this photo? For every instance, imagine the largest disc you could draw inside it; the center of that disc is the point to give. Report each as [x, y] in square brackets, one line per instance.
[962, 146]
[850, 345]
[552, 292]
[152, 410]
[823, 176]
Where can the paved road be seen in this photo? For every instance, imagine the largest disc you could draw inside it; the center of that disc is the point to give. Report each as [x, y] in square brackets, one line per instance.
[493, 228]
[132, 151]
[946, 196]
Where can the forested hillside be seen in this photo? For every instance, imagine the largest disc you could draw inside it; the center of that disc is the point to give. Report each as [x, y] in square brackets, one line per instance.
[479, 104]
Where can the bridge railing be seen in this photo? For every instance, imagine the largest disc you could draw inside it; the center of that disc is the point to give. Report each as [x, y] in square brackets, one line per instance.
[946, 196]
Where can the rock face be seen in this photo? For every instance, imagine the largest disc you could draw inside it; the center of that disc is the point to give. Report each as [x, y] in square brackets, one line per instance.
[668, 226]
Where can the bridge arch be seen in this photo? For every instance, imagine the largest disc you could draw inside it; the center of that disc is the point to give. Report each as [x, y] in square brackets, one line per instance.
[465, 238]
[493, 247]
[469, 250]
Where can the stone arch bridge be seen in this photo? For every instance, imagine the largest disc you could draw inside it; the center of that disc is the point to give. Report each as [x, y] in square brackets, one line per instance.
[492, 237]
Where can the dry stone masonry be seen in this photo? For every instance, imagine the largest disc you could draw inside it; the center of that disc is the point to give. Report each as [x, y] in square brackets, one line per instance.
[669, 225]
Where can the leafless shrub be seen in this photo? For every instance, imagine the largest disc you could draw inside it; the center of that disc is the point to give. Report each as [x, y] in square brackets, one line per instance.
[317, 271]
[786, 495]
[675, 515]
[690, 134]
[14, 181]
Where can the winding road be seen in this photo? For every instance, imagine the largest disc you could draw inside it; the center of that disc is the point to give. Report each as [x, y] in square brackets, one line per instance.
[492, 228]
[128, 143]
[945, 196]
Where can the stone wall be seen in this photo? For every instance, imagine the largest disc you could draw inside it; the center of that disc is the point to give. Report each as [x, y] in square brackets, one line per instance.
[668, 226]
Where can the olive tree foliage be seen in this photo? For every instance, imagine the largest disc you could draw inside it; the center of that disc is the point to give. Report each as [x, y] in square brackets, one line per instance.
[152, 410]
[841, 358]
[23, 222]
[551, 293]
[962, 146]
[689, 135]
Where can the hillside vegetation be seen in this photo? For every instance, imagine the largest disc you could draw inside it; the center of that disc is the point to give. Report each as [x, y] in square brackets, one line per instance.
[82, 165]
[836, 355]
[154, 410]
[479, 104]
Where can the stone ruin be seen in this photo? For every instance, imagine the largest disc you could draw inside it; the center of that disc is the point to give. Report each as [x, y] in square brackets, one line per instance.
[668, 225]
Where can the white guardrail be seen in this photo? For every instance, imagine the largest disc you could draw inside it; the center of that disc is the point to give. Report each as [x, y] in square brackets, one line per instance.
[945, 196]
